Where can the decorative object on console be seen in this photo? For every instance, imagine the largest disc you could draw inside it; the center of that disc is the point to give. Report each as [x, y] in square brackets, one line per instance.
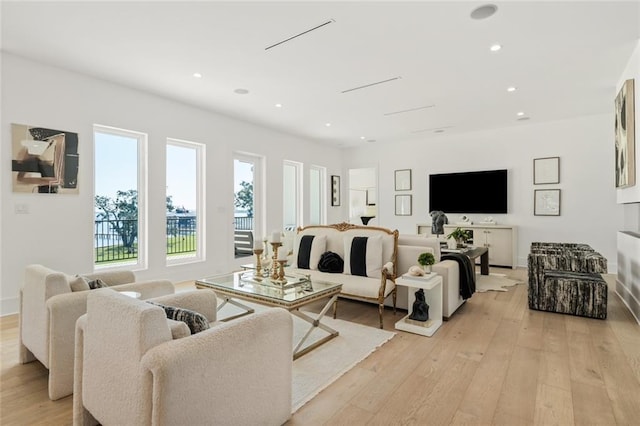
[546, 170]
[464, 220]
[416, 271]
[460, 235]
[420, 310]
[403, 180]
[438, 220]
[489, 220]
[335, 190]
[44, 160]
[403, 205]
[546, 202]
[426, 259]
[625, 136]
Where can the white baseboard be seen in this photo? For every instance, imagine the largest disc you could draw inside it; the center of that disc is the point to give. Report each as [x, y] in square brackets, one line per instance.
[9, 306]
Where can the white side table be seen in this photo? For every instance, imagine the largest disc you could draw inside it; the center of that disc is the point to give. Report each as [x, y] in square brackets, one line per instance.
[432, 286]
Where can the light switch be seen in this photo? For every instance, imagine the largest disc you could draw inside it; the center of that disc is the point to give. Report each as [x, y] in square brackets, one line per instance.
[21, 208]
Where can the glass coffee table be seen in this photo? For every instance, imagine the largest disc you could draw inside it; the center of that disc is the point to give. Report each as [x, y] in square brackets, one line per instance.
[297, 292]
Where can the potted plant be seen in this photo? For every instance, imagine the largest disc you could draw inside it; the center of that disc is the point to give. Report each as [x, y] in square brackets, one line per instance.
[460, 235]
[426, 260]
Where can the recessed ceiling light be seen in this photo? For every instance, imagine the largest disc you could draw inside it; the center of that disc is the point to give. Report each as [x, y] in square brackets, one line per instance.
[362, 137]
[511, 89]
[495, 47]
[278, 105]
[484, 11]
[327, 124]
[520, 114]
[241, 91]
[197, 75]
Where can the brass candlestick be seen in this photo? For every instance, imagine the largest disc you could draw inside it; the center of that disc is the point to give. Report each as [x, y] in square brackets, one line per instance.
[258, 271]
[281, 278]
[274, 273]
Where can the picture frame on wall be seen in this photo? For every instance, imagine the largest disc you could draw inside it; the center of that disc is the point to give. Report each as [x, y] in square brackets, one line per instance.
[403, 205]
[546, 202]
[625, 135]
[335, 190]
[546, 170]
[403, 180]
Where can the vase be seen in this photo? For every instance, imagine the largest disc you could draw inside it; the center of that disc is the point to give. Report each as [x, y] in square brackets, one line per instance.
[427, 269]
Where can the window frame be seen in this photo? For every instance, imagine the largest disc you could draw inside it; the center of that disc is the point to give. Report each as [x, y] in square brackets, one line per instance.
[200, 150]
[142, 139]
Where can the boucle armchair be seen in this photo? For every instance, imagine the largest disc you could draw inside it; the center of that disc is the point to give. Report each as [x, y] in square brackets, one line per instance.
[48, 313]
[129, 370]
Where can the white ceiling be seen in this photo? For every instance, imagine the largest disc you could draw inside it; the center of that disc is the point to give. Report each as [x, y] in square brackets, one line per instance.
[564, 57]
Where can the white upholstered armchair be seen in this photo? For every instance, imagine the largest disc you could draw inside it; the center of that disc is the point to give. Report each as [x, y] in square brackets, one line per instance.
[129, 369]
[49, 310]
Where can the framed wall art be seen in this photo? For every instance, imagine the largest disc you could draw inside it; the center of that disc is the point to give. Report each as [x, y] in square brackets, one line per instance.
[546, 202]
[335, 190]
[403, 205]
[44, 160]
[546, 170]
[403, 180]
[625, 136]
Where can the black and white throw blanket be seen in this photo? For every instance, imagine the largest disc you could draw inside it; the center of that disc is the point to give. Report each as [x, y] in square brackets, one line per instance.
[467, 273]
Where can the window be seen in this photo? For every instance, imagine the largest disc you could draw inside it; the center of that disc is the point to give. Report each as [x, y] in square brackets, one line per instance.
[120, 197]
[184, 197]
[291, 195]
[317, 195]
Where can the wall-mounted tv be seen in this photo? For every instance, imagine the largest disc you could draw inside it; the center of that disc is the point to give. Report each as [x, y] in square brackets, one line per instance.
[469, 192]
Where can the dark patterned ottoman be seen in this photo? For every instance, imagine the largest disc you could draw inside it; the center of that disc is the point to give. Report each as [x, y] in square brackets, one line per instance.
[575, 293]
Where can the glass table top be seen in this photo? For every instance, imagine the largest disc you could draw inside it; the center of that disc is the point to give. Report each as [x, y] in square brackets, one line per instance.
[298, 288]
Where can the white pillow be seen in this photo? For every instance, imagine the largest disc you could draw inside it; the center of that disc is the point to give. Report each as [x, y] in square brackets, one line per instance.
[318, 246]
[370, 261]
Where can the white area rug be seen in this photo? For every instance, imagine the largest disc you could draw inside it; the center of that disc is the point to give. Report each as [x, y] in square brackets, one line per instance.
[494, 282]
[322, 366]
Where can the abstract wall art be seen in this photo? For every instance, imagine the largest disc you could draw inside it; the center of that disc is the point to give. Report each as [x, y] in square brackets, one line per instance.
[625, 136]
[44, 160]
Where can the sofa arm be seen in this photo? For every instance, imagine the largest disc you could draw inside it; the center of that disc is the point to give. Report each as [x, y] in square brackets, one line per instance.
[241, 360]
[148, 289]
[202, 301]
[63, 312]
[450, 272]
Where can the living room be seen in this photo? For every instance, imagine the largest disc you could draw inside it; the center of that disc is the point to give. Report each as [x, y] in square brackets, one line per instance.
[58, 230]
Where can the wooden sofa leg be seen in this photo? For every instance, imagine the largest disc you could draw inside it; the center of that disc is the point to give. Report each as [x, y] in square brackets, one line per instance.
[395, 297]
[381, 309]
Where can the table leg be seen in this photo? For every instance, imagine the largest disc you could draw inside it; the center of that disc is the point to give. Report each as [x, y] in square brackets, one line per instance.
[484, 263]
[299, 350]
[225, 300]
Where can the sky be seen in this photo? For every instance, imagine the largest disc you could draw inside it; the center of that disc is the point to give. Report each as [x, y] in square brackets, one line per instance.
[116, 161]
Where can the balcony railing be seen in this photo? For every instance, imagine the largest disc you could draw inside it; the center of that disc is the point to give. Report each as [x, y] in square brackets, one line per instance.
[117, 240]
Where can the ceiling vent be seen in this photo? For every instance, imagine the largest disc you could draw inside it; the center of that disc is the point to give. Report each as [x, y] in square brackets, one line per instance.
[371, 84]
[409, 110]
[432, 129]
[317, 27]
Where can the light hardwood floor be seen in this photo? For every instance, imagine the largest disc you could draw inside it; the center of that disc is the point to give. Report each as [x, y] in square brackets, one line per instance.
[494, 362]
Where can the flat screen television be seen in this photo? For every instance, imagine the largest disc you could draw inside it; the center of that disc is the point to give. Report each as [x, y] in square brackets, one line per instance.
[469, 192]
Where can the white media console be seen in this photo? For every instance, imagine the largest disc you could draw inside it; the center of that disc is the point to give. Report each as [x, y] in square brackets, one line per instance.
[502, 240]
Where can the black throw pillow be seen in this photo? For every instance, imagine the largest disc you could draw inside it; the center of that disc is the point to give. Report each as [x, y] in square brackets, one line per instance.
[331, 262]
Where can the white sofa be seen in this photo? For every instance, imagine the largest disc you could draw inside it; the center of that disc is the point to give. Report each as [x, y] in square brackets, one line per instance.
[130, 371]
[48, 313]
[409, 248]
[375, 287]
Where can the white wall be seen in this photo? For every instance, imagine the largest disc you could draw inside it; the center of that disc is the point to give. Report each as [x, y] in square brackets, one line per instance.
[589, 213]
[58, 231]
